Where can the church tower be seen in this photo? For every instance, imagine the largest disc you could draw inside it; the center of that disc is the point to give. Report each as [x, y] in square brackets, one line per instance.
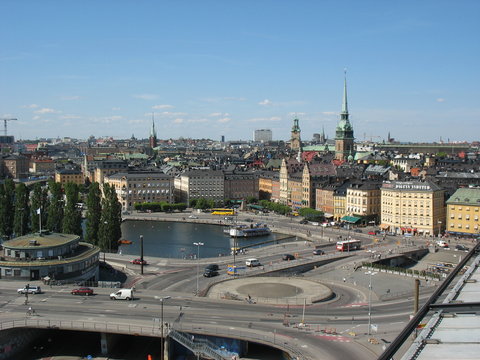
[295, 142]
[153, 135]
[344, 131]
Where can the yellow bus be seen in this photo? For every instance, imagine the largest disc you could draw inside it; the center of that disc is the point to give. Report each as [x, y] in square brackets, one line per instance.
[222, 212]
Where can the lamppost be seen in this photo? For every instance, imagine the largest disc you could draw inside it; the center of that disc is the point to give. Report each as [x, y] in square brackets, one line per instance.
[162, 299]
[198, 244]
[370, 303]
[439, 227]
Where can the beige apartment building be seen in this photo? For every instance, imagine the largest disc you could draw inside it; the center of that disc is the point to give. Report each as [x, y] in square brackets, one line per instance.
[66, 175]
[196, 184]
[463, 212]
[363, 202]
[140, 187]
[413, 207]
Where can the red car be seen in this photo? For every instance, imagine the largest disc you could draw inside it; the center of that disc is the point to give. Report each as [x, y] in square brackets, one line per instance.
[139, 262]
[82, 291]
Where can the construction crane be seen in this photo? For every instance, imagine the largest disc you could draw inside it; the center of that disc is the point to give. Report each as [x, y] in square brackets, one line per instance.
[5, 124]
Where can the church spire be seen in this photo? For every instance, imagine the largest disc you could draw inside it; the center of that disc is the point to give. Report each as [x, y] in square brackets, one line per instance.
[153, 133]
[344, 113]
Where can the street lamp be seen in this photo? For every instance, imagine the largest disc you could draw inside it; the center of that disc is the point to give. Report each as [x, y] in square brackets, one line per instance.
[370, 302]
[439, 227]
[198, 244]
[162, 299]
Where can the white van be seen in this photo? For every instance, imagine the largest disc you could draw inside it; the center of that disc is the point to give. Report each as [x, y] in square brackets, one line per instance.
[122, 294]
[252, 262]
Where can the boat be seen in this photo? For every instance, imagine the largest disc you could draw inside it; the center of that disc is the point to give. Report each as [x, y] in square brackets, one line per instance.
[227, 230]
[125, 242]
[256, 230]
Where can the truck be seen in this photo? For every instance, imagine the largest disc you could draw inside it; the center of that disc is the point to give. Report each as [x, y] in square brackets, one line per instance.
[122, 294]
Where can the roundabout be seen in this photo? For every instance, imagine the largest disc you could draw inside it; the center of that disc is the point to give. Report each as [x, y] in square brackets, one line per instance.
[272, 290]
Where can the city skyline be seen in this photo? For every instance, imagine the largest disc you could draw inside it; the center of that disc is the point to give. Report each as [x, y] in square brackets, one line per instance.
[72, 69]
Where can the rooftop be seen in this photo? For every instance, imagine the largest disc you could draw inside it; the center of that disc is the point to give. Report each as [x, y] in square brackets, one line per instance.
[35, 241]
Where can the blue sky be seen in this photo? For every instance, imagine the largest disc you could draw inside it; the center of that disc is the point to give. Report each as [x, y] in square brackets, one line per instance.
[213, 68]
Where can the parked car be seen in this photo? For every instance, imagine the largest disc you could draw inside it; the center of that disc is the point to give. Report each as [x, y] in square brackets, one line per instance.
[287, 257]
[139, 262]
[442, 244]
[303, 221]
[193, 217]
[82, 291]
[460, 247]
[373, 232]
[318, 252]
[358, 230]
[30, 289]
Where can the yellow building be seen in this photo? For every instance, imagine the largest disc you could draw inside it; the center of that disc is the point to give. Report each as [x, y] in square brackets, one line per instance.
[463, 212]
[413, 207]
[65, 176]
[363, 201]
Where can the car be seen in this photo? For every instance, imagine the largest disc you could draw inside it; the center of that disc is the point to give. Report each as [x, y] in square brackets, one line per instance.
[318, 252]
[303, 221]
[442, 244]
[139, 262]
[287, 257]
[357, 230]
[210, 273]
[82, 291]
[30, 289]
[314, 223]
[212, 267]
[252, 262]
[373, 232]
[193, 217]
[460, 247]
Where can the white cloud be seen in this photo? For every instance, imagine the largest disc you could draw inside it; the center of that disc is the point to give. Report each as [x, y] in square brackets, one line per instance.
[328, 113]
[198, 120]
[31, 106]
[45, 111]
[145, 96]
[224, 120]
[216, 114]
[178, 121]
[440, 100]
[36, 117]
[107, 119]
[170, 114]
[164, 106]
[74, 97]
[69, 117]
[136, 121]
[265, 102]
[115, 109]
[262, 119]
[297, 114]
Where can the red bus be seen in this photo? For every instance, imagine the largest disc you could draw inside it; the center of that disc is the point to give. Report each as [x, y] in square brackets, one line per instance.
[348, 245]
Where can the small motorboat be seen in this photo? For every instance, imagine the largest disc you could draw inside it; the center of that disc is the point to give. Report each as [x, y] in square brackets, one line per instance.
[125, 242]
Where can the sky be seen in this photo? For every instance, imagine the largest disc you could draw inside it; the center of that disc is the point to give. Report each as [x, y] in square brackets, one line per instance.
[203, 69]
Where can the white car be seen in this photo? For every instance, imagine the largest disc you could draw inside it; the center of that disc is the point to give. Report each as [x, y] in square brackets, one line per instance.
[442, 244]
[31, 289]
[193, 217]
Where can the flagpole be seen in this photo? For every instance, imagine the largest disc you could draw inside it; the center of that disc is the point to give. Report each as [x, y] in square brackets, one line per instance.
[40, 219]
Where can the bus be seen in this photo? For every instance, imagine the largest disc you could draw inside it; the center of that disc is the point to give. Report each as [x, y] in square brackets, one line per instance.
[222, 212]
[348, 245]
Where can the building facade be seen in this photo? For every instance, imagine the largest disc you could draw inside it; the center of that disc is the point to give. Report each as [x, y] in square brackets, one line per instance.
[141, 187]
[262, 135]
[295, 141]
[414, 207]
[196, 184]
[66, 175]
[241, 185]
[344, 139]
[463, 213]
[363, 201]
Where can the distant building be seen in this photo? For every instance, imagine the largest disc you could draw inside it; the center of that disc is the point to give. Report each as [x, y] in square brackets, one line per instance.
[196, 184]
[262, 135]
[463, 212]
[295, 141]
[363, 201]
[141, 187]
[414, 207]
[66, 175]
[15, 166]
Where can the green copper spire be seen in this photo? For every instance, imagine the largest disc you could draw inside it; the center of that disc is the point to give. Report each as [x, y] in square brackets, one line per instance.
[345, 103]
[153, 133]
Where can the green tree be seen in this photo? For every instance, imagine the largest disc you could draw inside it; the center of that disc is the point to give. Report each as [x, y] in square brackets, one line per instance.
[94, 210]
[38, 202]
[7, 195]
[22, 211]
[55, 207]
[109, 231]
[72, 221]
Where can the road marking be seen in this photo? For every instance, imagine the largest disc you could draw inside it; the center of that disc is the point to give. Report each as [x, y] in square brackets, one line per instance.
[337, 338]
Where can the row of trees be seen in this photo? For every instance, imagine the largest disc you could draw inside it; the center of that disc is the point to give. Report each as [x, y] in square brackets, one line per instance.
[56, 208]
[160, 206]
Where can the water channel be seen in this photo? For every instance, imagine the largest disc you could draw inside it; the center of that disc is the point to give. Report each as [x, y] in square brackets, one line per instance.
[175, 239]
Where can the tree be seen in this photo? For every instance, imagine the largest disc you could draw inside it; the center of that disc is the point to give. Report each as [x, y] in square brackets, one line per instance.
[94, 210]
[38, 203]
[109, 231]
[7, 194]
[21, 215]
[55, 207]
[72, 221]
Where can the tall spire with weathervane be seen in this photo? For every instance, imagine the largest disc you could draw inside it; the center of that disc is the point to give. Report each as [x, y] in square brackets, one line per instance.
[344, 132]
[153, 134]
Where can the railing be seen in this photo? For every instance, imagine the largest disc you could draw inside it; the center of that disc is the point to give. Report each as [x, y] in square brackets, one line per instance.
[201, 346]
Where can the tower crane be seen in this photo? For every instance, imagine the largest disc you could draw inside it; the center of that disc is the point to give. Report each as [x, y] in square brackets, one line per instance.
[5, 124]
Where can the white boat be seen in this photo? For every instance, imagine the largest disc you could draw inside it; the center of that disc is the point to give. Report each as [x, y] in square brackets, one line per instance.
[250, 232]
